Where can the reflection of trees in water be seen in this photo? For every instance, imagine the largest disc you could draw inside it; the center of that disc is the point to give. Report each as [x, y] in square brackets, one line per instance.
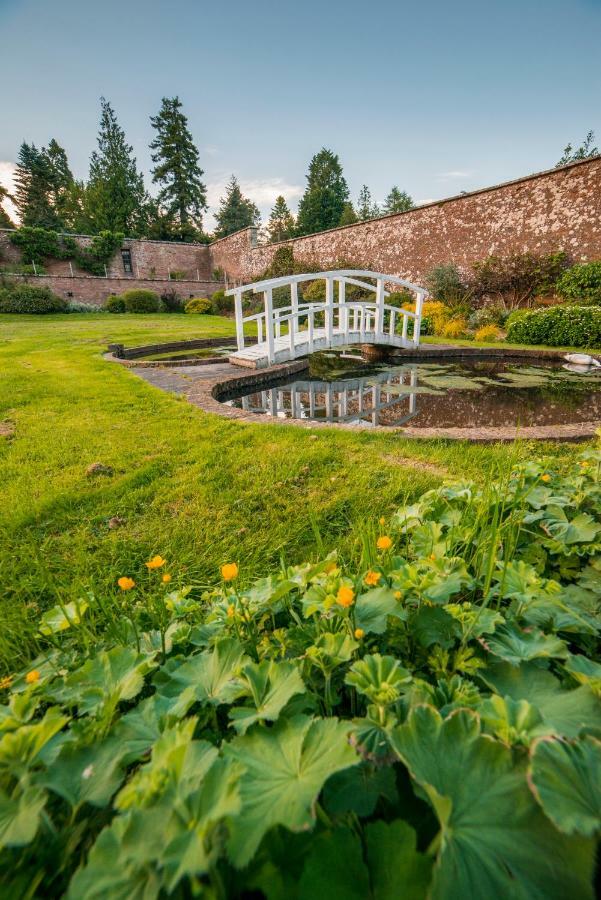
[396, 397]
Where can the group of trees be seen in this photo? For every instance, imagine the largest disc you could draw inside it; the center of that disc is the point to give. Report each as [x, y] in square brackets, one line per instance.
[326, 202]
[114, 198]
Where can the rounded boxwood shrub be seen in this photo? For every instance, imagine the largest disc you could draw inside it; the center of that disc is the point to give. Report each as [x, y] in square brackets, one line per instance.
[573, 326]
[30, 298]
[581, 283]
[199, 305]
[140, 300]
[171, 302]
[114, 304]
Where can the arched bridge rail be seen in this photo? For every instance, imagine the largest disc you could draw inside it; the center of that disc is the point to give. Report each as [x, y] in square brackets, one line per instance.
[288, 332]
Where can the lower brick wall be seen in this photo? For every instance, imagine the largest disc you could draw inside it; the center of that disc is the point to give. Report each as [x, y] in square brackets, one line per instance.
[88, 289]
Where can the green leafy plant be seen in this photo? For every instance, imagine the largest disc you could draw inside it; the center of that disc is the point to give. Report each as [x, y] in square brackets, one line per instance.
[140, 300]
[30, 298]
[115, 304]
[581, 284]
[428, 717]
[573, 326]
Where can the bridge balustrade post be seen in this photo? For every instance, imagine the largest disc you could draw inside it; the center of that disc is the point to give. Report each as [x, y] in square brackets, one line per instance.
[293, 320]
[239, 322]
[342, 310]
[417, 322]
[405, 325]
[379, 327]
[268, 295]
[329, 309]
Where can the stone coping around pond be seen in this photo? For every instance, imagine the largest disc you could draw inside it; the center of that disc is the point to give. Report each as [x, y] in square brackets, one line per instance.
[209, 393]
[133, 356]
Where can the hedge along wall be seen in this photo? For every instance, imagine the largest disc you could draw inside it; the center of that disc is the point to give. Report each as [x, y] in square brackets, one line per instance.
[88, 289]
[559, 209]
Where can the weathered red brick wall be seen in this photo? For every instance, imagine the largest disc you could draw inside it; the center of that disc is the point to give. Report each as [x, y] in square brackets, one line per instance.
[150, 259]
[555, 210]
[88, 289]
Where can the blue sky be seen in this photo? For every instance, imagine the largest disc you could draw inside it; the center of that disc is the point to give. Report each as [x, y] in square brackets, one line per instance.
[436, 97]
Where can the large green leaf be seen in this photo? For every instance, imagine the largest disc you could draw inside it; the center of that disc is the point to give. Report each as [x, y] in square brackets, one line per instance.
[269, 685]
[395, 866]
[373, 608]
[335, 868]
[23, 746]
[87, 774]
[381, 679]
[566, 779]
[111, 676]
[494, 840]
[209, 677]
[286, 767]
[20, 815]
[564, 712]
[515, 645]
[359, 789]
[586, 671]
[434, 625]
[60, 618]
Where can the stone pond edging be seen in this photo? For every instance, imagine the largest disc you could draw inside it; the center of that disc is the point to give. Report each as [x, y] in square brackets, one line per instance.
[209, 394]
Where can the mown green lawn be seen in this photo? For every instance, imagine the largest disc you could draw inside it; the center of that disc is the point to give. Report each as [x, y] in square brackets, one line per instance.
[193, 487]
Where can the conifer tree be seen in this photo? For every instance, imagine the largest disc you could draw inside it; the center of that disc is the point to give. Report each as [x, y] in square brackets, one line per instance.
[34, 183]
[366, 208]
[281, 221]
[115, 199]
[182, 197]
[235, 211]
[349, 216]
[397, 201]
[5, 219]
[326, 194]
[63, 184]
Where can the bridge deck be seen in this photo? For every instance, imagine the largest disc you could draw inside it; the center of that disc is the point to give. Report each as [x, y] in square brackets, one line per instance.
[256, 355]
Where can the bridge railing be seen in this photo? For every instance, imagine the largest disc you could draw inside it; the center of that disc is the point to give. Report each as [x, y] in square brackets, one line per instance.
[354, 320]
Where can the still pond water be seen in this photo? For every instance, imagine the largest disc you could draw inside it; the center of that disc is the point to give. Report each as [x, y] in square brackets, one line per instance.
[342, 387]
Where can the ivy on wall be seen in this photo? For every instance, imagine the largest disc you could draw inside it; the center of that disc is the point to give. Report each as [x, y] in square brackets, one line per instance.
[39, 244]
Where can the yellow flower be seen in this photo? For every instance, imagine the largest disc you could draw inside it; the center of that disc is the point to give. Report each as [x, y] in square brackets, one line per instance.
[230, 611]
[584, 464]
[229, 571]
[359, 633]
[32, 676]
[382, 520]
[125, 583]
[156, 562]
[433, 557]
[166, 578]
[545, 477]
[5, 682]
[330, 567]
[384, 542]
[398, 595]
[372, 578]
[345, 596]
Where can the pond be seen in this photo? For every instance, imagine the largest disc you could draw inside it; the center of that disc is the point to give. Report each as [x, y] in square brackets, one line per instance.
[470, 392]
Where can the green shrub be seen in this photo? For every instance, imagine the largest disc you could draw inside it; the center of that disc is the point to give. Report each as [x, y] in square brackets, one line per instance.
[581, 283]
[557, 326]
[403, 299]
[114, 304]
[488, 315]
[200, 305]
[518, 279]
[140, 300]
[222, 305]
[78, 306]
[172, 302]
[447, 284]
[30, 298]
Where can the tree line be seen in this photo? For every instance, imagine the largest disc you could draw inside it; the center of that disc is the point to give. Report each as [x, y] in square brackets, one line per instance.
[114, 198]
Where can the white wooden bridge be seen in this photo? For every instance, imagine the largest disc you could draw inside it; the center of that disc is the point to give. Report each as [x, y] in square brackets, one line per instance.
[288, 332]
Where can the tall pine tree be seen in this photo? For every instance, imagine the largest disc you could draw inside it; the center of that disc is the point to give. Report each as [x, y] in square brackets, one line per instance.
[366, 207]
[281, 221]
[326, 194]
[63, 184]
[34, 185]
[115, 199]
[183, 195]
[397, 201]
[235, 211]
[5, 219]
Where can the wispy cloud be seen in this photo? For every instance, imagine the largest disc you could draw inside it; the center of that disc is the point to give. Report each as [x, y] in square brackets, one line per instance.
[454, 173]
[211, 150]
[261, 191]
[7, 180]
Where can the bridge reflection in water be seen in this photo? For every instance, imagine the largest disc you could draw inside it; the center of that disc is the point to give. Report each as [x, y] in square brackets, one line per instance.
[388, 395]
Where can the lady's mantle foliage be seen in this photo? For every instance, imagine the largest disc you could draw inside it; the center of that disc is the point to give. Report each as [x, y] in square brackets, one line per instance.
[430, 719]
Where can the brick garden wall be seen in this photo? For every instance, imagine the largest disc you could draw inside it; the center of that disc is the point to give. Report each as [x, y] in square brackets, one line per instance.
[88, 289]
[555, 210]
